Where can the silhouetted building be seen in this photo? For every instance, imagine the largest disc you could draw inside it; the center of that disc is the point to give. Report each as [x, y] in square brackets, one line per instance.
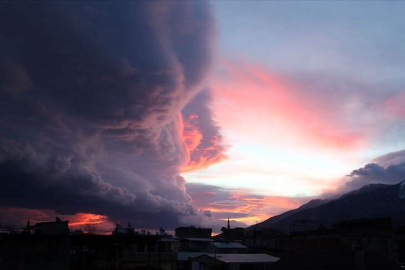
[226, 247]
[334, 260]
[58, 227]
[262, 238]
[348, 245]
[195, 244]
[193, 232]
[34, 252]
[161, 231]
[7, 229]
[365, 235]
[233, 261]
[374, 225]
[230, 235]
[400, 242]
[307, 225]
[120, 230]
[123, 252]
[168, 244]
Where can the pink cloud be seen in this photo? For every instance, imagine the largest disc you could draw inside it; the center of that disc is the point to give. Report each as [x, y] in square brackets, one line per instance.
[394, 105]
[268, 103]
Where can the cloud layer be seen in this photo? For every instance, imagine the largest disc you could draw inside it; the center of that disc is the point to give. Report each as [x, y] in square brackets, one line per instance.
[373, 173]
[202, 134]
[242, 206]
[90, 101]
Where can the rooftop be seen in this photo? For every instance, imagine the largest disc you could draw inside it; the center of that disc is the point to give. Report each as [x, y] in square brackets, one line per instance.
[239, 258]
[198, 239]
[228, 245]
[245, 258]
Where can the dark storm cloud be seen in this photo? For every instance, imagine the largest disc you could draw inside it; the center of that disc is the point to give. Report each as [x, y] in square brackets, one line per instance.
[203, 194]
[375, 174]
[90, 95]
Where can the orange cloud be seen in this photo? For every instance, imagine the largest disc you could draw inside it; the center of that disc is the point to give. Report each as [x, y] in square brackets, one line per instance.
[14, 216]
[262, 208]
[256, 207]
[200, 156]
[192, 136]
[87, 218]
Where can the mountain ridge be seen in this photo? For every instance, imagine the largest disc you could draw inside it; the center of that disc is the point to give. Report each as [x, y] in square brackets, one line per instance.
[370, 201]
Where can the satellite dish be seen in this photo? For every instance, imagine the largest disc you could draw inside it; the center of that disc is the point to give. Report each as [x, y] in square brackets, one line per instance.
[58, 219]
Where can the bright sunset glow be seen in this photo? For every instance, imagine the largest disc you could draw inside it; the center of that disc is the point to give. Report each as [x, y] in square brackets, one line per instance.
[85, 219]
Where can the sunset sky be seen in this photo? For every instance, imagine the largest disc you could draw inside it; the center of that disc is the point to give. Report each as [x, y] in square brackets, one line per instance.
[304, 92]
[187, 113]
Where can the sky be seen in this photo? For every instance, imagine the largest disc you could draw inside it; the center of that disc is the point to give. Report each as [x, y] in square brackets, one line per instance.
[186, 113]
[304, 92]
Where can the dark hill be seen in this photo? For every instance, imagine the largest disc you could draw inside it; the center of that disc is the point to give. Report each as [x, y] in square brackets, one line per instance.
[371, 201]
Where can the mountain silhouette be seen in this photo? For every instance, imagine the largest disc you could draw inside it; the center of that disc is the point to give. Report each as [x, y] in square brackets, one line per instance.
[370, 201]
